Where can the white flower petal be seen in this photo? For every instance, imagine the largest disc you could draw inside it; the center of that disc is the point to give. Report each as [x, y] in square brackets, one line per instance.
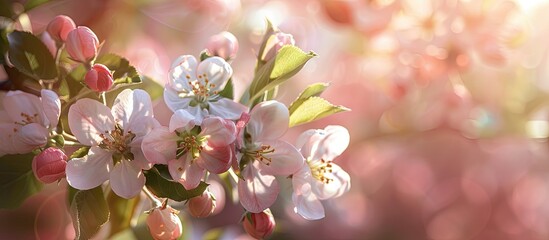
[21, 105]
[138, 156]
[126, 179]
[10, 139]
[187, 173]
[159, 146]
[88, 119]
[52, 106]
[216, 70]
[90, 171]
[306, 203]
[134, 110]
[182, 71]
[227, 109]
[285, 159]
[268, 121]
[34, 134]
[218, 131]
[341, 184]
[325, 143]
[182, 120]
[256, 191]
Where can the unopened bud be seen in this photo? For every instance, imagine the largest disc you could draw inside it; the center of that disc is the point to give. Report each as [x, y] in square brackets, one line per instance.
[49, 166]
[82, 44]
[99, 78]
[224, 45]
[60, 27]
[259, 225]
[164, 224]
[275, 43]
[202, 206]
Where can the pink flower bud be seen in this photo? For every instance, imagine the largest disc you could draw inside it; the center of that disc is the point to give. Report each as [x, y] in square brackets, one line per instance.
[99, 78]
[49, 165]
[202, 206]
[259, 225]
[275, 43]
[164, 224]
[60, 27]
[224, 45]
[82, 44]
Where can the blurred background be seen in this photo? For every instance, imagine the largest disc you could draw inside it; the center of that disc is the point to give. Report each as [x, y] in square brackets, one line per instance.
[449, 99]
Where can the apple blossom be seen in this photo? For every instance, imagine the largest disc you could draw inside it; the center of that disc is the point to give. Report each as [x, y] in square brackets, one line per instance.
[164, 224]
[99, 78]
[115, 138]
[224, 45]
[195, 88]
[189, 149]
[49, 165]
[275, 43]
[203, 205]
[26, 120]
[319, 178]
[59, 27]
[263, 155]
[259, 225]
[82, 44]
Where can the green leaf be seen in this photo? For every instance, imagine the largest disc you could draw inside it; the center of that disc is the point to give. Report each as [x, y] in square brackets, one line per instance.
[288, 62]
[168, 189]
[122, 211]
[89, 211]
[17, 181]
[30, 56]
[81, 152]
[228, 90]
[268, 33]
[30, 4]
[124, 73]
[313, 90]
[312, 109]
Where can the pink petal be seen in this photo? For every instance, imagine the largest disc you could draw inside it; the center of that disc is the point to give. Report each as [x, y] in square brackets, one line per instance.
[184, 171]
[215, 159]
[10, 139]
[34, 134]
[341, 184]
[138, 156]
[285, 160]
[257, 192]
[174, 101]
[218, 131]
[17, 104]
[134, 109]
[217, 71]
[182, 120]
[325, 143]
[182, 67]
[88, 119]
[126, 179]
[160, 145]
[268, 121]
[90, 171]
[227, 108]
[52, 106]
[306, 203]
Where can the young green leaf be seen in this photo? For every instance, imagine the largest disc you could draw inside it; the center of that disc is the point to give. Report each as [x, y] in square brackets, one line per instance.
[228, 90]
[30, 56]
[17, 181]
[124, 73]
[89, 211]
[172, 190]
[314, 108]
[81, 152]
[313, 90]
[122, 211]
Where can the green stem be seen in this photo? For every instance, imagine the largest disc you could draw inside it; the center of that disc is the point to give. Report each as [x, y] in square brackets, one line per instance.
[154, 200]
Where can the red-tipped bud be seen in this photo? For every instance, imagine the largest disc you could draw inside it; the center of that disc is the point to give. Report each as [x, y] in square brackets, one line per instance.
[60, 27]
[82, 44]
[275, 43]
[224, 45]
[202, 206]
[99, 78]
[164, 224]
[259, 225]
[49, 166]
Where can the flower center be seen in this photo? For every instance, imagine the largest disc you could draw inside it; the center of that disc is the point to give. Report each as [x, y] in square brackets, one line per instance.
[118, 143]
[201, 88]
[319, 170]
[259, 154]
[27, 119]
[190, 142]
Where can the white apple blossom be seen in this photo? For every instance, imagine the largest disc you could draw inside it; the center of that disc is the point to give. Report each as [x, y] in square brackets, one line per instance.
[320, 178]
[195, 88]
[115, 137]
[26, 120]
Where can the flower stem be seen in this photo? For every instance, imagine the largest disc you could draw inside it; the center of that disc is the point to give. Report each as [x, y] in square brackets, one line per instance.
[69, 137]
[73, 144]
[154, 200]
[103, 98]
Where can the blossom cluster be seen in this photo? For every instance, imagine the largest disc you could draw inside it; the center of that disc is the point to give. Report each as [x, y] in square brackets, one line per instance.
[124, 145]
